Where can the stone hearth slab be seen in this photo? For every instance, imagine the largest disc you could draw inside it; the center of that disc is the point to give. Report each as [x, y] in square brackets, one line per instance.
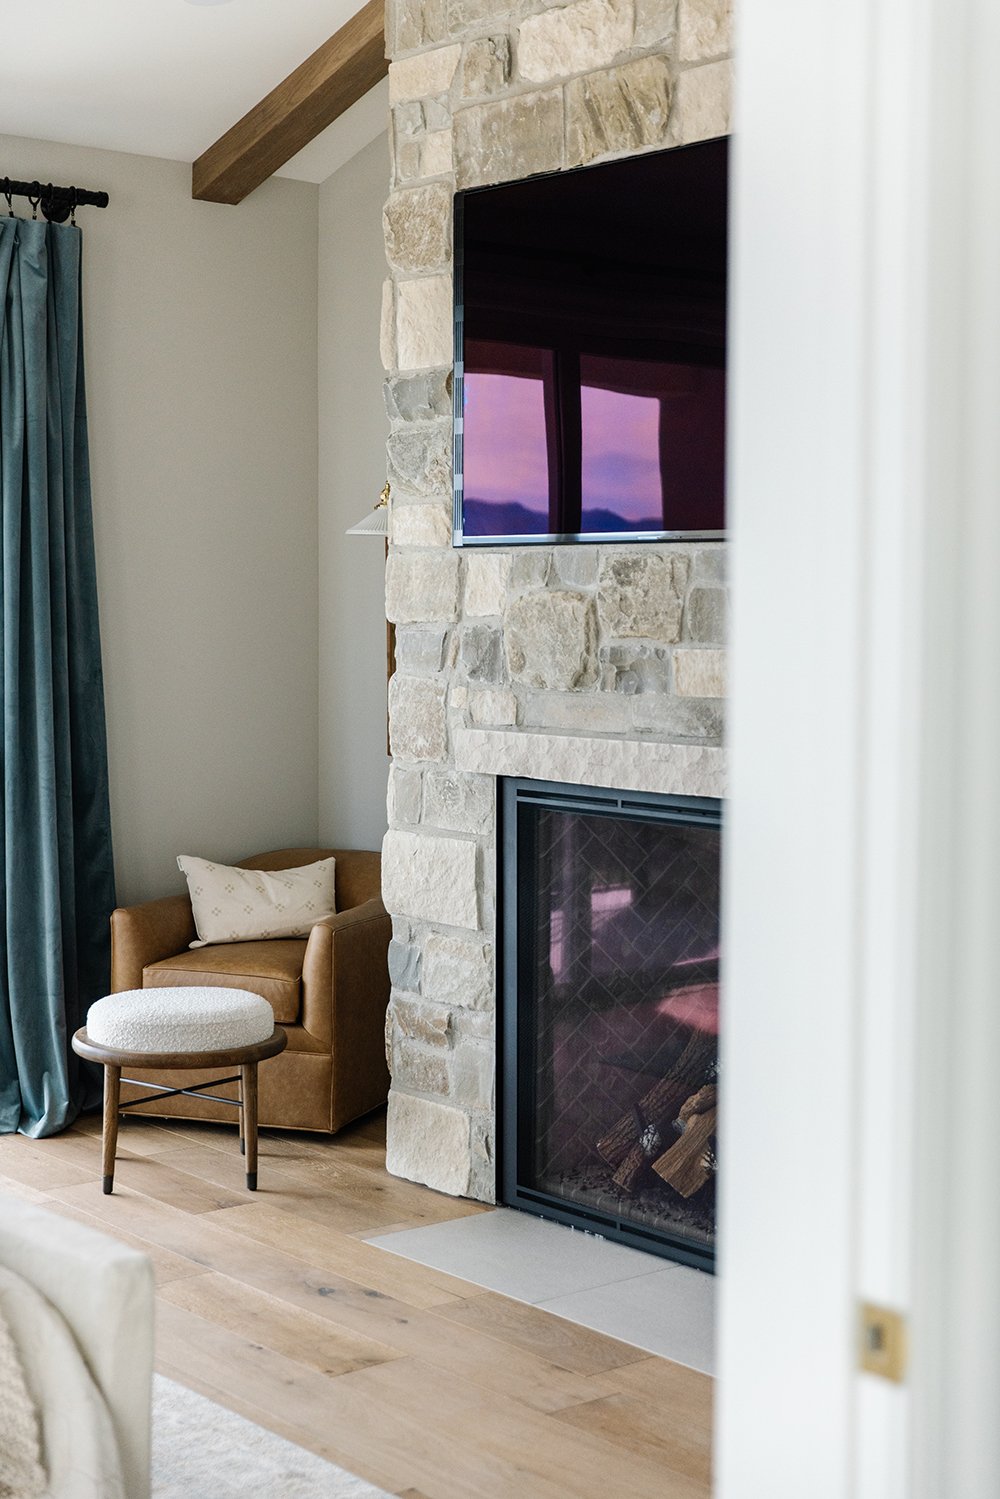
[635, 1297]
[671, 1313]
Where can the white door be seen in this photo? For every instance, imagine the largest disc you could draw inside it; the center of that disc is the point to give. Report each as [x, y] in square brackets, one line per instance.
[861, 1137]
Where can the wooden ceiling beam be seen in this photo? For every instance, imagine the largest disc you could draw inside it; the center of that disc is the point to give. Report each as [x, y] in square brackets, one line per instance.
[336, 76]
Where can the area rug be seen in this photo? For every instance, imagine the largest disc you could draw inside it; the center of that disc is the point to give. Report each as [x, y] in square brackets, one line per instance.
[203, 1451]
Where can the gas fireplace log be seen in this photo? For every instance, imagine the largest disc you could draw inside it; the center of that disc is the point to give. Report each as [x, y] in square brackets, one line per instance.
[648, 1144]
[699, 1103]
[658, 1106]
[687, 1165]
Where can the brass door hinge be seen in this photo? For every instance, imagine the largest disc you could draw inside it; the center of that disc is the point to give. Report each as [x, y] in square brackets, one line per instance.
[883, 1342]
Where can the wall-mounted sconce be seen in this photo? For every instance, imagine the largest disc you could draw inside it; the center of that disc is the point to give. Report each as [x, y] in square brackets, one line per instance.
[376, 522]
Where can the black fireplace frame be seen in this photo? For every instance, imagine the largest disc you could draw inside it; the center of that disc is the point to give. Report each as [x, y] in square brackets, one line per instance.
[513, 908]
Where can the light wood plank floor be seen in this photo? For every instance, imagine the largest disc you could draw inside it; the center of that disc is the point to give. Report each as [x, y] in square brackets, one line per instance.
[274, 1306]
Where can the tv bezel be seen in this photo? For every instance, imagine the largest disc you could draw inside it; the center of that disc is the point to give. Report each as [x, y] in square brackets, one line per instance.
[548, 538]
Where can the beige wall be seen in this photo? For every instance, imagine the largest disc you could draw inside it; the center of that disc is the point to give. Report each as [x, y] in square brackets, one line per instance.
[352, 432]
[201, 372]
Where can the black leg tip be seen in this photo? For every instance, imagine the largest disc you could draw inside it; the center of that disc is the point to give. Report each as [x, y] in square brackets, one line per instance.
[251, 1181]
[109, 1182]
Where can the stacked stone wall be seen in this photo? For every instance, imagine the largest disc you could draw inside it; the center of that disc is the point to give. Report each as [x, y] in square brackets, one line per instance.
[626, 643]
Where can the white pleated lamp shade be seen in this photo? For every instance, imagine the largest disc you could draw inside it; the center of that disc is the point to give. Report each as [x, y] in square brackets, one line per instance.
[376, 522]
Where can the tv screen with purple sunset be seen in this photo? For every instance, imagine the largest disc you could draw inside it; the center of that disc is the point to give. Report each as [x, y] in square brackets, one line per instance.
[591, 379]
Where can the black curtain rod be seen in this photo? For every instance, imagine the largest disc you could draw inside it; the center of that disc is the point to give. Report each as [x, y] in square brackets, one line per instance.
[56, 203]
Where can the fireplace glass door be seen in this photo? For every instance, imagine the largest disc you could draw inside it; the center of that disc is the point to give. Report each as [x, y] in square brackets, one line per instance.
[609, 1076]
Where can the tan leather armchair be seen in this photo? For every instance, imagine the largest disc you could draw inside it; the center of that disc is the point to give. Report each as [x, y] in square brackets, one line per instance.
[329, 991]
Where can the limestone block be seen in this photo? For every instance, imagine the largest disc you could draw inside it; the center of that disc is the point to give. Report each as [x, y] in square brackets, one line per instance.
[486, 578]
[419, 649]
[711, 563]
[421, 587]
[424, 335]
[417, 223]
[573, 39]
[428, 1024]
[417, 723]
[588, 712]
[641, 594]
[421, 525]
[403, 795]
[423, 76]
[655, 23]
[700, 673]
[404, 965]
[387, 327]
[460, 803]
[638, 668]
[417, 1070]
[485, 66]
[408, 119]
[420, 460]
[492, 705]
[508, 139]
[418, 398]
[435, 154]
[623, 109]
[701, 104]
[551, 640]
[678, 717]
[575, 566]
[468, 13]
[437, 114]
[635, 764]
[530, 568]
[431, 878]
[705, 617]
[473, 1025]
[428, 1142]
[414, 23]
[471, 1072]
[483, 1176]
[458, 972]
[481, 653]
[704, 29]
[406, 159]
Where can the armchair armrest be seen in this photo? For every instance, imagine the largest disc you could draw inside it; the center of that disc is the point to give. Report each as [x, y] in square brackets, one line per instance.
[345, 994]
[147, 933]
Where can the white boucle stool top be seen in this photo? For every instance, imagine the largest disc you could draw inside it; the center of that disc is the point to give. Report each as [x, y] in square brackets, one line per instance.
[194, 1019]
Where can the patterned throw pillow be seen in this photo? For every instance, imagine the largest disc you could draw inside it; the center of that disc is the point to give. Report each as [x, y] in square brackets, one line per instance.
[248, 905]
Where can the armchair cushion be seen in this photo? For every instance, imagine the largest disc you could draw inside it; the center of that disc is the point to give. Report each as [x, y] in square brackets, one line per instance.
[232, 904]
[270, 969]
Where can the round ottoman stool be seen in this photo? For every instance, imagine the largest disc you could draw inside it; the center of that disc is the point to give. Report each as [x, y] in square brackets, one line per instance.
[203, 1027]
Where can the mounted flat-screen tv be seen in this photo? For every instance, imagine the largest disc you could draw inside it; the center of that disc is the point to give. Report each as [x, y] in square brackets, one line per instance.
[590, 353]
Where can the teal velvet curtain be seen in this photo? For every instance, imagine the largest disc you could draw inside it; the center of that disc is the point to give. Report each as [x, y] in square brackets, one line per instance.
[56, 872]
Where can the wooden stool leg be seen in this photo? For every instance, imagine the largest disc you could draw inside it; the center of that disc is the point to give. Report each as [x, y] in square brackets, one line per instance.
[112, 1090]
[248, 1113]
[243, 1136]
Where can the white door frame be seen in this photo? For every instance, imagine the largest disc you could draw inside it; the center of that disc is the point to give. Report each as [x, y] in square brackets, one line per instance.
[861, 1135]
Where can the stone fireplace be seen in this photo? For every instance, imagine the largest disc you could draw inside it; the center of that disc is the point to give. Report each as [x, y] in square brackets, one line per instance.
[596, 665]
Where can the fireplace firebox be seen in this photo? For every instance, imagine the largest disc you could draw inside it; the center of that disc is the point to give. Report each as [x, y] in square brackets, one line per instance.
[608, 1087]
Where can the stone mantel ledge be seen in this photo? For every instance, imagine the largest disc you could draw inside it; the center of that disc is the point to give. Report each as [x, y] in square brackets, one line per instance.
[666, 766]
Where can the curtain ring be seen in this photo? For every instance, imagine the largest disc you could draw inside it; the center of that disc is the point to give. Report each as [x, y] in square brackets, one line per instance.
[72, 206]
[34, 204]
[10, 203]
